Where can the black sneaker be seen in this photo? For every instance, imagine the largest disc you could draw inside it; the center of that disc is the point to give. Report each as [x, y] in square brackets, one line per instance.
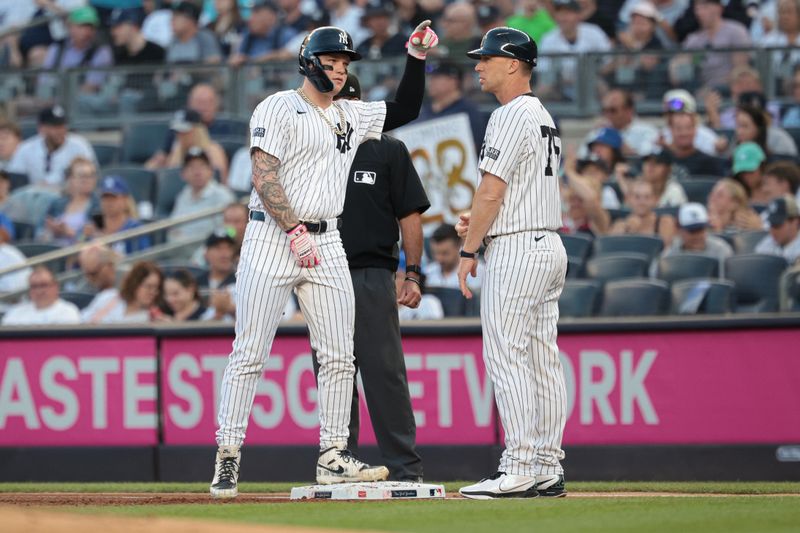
[226, 472]
[551, 485]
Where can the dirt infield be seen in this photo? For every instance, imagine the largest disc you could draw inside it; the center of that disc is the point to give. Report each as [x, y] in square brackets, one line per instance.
[39, 499]
[39, 521]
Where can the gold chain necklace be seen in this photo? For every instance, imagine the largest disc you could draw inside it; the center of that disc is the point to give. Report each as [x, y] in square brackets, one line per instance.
[338, 131]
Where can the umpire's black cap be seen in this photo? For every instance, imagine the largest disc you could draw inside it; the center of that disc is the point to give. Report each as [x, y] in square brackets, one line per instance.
[351, 89]
[507, 42]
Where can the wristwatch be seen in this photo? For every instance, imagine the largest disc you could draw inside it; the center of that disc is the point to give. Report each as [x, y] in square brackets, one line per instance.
[414, 269]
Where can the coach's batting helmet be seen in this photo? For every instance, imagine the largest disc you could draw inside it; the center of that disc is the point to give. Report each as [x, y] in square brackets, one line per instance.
[507, 42]
[324, 40]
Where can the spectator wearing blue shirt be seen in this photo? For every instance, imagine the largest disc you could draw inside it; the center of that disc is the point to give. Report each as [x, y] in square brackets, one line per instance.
[117, 213]
[265, 36]
[446, 98]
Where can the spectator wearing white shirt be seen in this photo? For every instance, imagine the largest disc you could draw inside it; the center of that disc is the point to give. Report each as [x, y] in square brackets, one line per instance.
[157, 25]
[619, 112]
[705, 139]
[784, 230]
[45, 307]
[347, 16]
[693, 237]
[443, 271]
[46, 157]
[99, 266]
[201, 192]
[572, 36]
[9, 257]
[670, 11]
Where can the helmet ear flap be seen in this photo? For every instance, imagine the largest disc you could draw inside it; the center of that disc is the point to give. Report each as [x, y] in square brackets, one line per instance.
[313, 70]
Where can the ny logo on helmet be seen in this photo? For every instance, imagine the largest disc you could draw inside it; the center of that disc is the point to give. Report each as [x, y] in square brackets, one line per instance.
[342, 37]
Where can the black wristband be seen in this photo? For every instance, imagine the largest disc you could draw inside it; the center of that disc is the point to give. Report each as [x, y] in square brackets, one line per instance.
[415, 280]
[468, 255]
[414, 269]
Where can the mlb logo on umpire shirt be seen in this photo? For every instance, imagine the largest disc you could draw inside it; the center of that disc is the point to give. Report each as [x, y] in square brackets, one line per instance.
[363, 176]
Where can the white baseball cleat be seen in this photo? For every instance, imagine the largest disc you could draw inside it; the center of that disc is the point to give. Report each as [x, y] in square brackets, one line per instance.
[551, 485]
[339, 465]
[226, 472]
[501, 485]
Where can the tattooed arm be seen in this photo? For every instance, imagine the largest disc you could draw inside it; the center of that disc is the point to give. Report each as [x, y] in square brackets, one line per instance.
[265, 180]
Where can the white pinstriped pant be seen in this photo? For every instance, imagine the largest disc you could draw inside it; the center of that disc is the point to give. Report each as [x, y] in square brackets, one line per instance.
[265, 278]
[519, 312]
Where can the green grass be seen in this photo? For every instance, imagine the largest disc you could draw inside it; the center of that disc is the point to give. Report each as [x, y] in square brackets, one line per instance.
[650, 514]
[737, 512]
[694, 487]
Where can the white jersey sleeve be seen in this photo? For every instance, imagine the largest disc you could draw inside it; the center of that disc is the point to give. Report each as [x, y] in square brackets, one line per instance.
[505, 142]
[270, 127]
[371, 117]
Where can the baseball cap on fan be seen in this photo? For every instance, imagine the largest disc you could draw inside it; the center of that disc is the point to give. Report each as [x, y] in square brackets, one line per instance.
[125, 16]
[351, 88]
[115, 186]
[53, 116]
[747, 157]
[195, 152]
[573, 5]
[781, 209]
[692, 216]
[647, 10]
[679, 101]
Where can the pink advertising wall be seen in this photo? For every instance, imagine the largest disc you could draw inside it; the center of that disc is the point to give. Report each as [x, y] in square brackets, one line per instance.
[724, 386]
[78, 391]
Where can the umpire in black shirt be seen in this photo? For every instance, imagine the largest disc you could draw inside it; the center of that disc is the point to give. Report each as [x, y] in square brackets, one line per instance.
[384, 198]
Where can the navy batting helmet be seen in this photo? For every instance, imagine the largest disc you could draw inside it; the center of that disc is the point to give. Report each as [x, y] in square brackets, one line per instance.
[324, 40]
[507, 42]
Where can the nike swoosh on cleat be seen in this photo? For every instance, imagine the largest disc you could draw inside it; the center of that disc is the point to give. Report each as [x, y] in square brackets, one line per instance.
[501, 488]
[339, 470]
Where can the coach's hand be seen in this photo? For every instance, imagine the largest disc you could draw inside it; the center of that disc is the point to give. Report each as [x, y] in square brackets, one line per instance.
[463, 225]
[410, 294]
[467, 266]
[422, 40]
[303, 246]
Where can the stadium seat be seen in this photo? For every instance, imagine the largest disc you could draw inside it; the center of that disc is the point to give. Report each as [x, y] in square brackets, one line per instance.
[453, 302]
[141, 181]
[81, 299]
[28, 129]
[170, 184]
[616, 214]
[617, 266]
[17, 180]
[577, 245]
[669, 210]
[140, 140]
[790, 290]
[33, 248]
[702, 296]
[745, 242]
[795, 133]
[757, 277]
[576, 267]
[635, 297]
[642, 244]
[236, 127]
[697, 190]
[168, 267]
[23, 231]
[674, 268]
[106, 153]
[579, 298]
[231, 144]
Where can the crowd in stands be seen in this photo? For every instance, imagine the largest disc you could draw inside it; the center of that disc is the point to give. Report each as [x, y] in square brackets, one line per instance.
[720, 162]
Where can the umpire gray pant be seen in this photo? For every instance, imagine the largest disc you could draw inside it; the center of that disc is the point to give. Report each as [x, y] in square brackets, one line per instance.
[379, 357]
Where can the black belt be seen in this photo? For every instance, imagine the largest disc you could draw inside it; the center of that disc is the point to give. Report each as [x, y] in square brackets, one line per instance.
[313, 227]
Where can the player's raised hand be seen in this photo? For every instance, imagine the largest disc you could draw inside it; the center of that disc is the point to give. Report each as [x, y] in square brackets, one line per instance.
[303, 247]
[422, 40]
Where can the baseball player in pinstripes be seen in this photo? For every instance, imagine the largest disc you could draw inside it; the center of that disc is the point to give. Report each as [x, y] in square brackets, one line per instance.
[516, 212]
[302, 147]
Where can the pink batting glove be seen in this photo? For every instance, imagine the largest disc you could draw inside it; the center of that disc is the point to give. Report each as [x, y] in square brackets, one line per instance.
[422, 40]
[303, 247]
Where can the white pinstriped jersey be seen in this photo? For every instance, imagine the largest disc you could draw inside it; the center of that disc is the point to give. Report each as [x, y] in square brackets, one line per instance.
[314, 161]
[522, 148]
